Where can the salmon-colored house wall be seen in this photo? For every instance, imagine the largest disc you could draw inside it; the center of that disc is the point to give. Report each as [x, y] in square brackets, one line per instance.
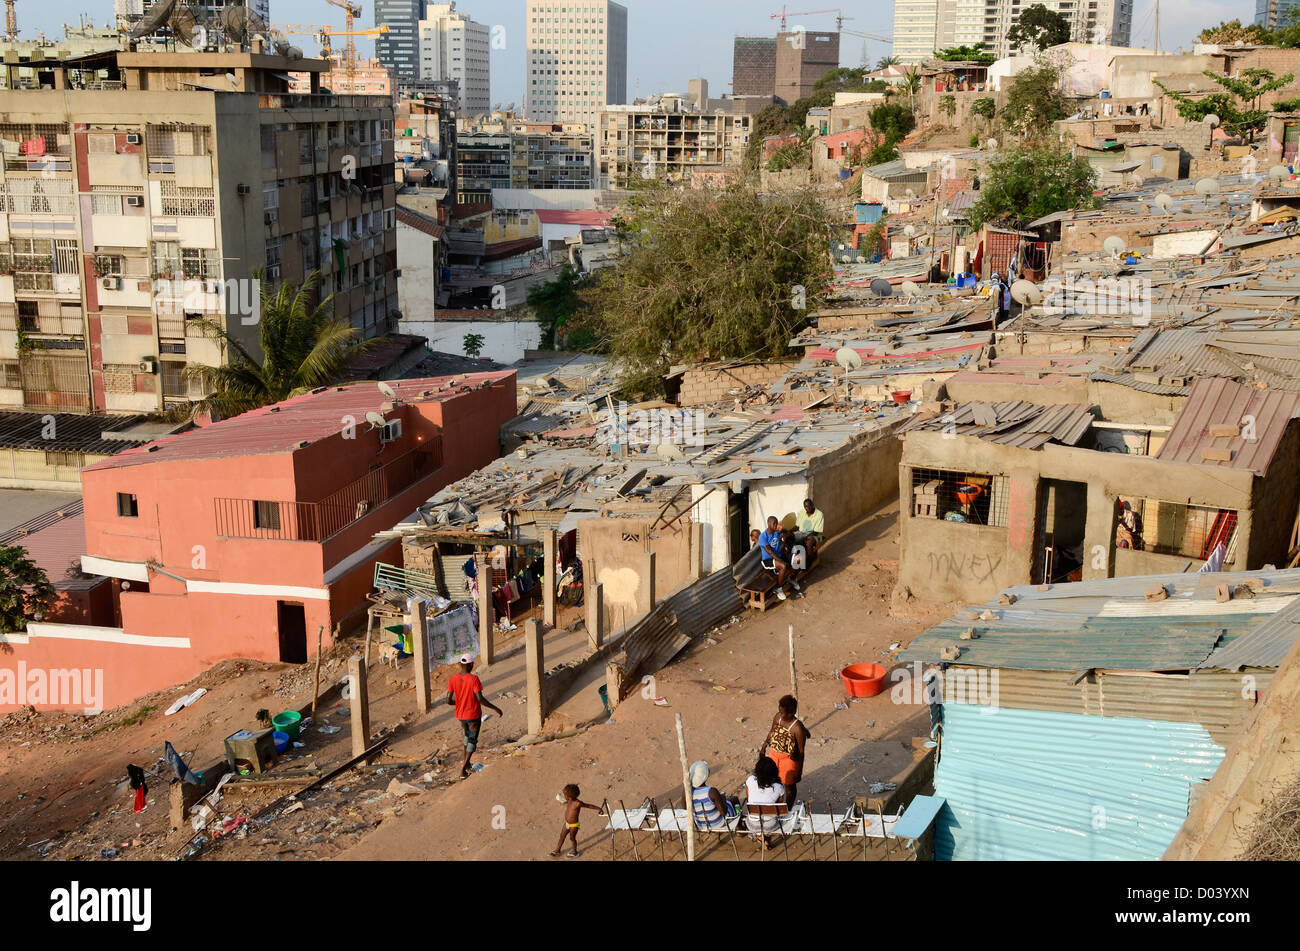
[197, 566]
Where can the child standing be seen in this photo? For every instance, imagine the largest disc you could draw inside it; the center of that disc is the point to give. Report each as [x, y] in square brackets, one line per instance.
[573, 807]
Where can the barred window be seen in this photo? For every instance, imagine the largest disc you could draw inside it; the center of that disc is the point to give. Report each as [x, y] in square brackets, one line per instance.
[953, 496]
[11, 375]
[38, 196]
[170, 141]
[74, 459]
[106, 204]
[179, 201]
[1172, 528]
[106, 264]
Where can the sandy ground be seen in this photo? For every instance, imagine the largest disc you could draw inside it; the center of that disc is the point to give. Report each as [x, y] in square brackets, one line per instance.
[64, 794]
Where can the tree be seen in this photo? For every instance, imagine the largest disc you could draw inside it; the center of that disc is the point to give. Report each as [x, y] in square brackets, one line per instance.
[303, 346]
[1232, 32]
[966, 54]
[1035, 100]
[555, 303]
[1240, 107]
[948, 105]
[25, 593]
[718, 275]
[984, 108]
[1025, 183]
[1039, 28]
[891, 121]
[473, 345]
[885, 62]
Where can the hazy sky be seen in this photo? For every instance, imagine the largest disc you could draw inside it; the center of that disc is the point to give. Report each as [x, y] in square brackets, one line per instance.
[670, 41]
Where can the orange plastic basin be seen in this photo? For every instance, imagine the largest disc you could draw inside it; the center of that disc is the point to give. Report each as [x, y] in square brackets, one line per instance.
[863, 680]
[967, 493]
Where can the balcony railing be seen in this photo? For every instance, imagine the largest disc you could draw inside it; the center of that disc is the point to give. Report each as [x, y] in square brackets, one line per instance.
[318, 521]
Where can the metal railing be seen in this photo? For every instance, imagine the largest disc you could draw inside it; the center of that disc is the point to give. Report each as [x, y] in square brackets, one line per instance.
[318, 521]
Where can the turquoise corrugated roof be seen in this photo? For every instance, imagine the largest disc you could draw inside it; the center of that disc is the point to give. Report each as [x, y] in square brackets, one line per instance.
[1033, 785]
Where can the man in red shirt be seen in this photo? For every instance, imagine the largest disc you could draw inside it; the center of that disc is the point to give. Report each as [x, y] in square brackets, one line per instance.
[465, 693]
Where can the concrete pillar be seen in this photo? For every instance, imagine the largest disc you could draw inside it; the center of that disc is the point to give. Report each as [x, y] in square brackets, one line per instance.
[360, 700]
[1099, 533]
[697, 550]
[535, 683]
[486, 629]
[1022, 529]
[595, 596]
[420, 649]
[648, 580]
[548, 582]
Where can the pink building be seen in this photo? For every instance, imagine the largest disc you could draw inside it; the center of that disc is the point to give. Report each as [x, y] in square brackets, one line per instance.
[243, 538]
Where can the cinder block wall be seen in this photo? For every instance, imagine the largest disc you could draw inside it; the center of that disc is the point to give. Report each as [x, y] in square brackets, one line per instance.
[704, 387]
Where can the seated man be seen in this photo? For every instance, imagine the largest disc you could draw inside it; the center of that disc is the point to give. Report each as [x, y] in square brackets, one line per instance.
[812, 528]
[776, 556]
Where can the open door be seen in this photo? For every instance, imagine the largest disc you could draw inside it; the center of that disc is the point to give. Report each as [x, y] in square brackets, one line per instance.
[1062, 519]
[293, 632]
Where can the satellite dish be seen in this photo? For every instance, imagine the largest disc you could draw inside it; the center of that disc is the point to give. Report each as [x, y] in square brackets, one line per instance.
[1211, 120]
[185, 27]
[993, 144]
[910, 193]
[911, 288]
[910, 230]
[1114, 246]
[848, 358]
[1026, 293]
[154, 19]
[882, 288]
[668, 452]
[387, 390]
[1279, 173]
[846, 258]
[376, 420]
[839, 247]
[1206, 187]
[1164, 202]
[238, 23]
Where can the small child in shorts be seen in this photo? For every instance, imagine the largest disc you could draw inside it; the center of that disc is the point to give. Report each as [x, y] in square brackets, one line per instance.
[573, 807]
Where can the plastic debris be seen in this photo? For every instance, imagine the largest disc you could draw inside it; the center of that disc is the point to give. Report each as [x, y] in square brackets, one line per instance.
[660, 702]
[399, 789]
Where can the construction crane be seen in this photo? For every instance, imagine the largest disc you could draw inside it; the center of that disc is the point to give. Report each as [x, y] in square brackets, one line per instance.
[11, 21]
[322, 34]
[350, 12]
[839, 16]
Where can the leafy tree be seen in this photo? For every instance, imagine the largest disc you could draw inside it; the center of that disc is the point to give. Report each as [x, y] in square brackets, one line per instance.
[710, 276]
[1035, 100]
[555, 303]
[473, 345]
[966, 54]
[303, 346]
[1039, 28]
[984, 108]
[891, 121]
[912, 84]
[948, 105]
[1240, 107]
[1231, 32]
[25, 593]
[1025, 183]
[885, 62]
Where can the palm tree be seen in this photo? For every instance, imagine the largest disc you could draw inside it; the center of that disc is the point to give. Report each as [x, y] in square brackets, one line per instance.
[885, 62]
[303, 347]
[912, 83]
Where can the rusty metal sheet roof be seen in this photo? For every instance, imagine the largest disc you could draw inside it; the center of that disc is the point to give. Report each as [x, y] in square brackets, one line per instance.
[1015, 423]
[1261, 415]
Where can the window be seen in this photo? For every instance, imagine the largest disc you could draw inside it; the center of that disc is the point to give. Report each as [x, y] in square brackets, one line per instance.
[954, 496]
[1172, 528]
[127, 505]
[11, 375]
[266, 515]
[73, 459]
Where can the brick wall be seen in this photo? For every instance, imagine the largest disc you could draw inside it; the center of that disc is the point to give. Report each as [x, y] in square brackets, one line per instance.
[705, 386]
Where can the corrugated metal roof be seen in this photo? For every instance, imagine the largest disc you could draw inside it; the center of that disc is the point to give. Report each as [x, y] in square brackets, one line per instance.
[1265, 645]
[1031, 785]
[1016, 423]
[55, 543]
[1263, 415]
[72, 432]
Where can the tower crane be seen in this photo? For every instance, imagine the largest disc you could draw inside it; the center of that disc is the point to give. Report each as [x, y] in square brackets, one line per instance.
[839, 16]
[11, 21]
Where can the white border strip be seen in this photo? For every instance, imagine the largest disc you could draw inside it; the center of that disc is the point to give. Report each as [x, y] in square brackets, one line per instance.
[266, 590]
[107, 635]
[129, 570]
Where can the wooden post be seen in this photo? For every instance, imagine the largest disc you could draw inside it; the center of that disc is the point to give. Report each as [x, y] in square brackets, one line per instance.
[548, 578]
[360, 697]
[420, 650]
[648, 580]
[535, 682]
[315, 690]
[595, 616]
[794, 680]
[486, 629]
[698, 570]
[686, 788]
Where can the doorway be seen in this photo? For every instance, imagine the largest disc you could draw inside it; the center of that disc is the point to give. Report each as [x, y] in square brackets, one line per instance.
[1062, 521]
[738, 522]
[292, 624]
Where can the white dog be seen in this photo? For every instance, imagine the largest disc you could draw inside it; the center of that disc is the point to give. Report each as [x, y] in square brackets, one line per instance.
[390, 656]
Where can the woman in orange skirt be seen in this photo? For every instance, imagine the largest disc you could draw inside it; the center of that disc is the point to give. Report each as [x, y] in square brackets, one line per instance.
[785, 745]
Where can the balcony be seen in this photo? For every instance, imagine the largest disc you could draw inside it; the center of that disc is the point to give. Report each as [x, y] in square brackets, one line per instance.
[319, 521]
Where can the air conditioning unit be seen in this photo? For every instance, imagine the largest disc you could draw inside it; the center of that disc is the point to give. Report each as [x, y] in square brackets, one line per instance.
[391, 432]
[133, 138]
[148, 365]
[135, 201]
[242, 189]
[110, 283]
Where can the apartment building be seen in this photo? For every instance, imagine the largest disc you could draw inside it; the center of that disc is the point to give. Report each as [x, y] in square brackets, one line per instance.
[454, 48]
[1274, 13]
[529, 155]
[369, 78]
[576, 59]
[660, 139]
[399, 48]
[923, 26]
[802, 58]
[141, 191]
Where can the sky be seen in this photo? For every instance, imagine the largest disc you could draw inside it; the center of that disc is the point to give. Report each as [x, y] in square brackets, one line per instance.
[669, 41]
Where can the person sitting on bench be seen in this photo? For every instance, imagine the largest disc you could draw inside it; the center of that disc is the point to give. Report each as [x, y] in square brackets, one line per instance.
[776, 557]
[812, 528]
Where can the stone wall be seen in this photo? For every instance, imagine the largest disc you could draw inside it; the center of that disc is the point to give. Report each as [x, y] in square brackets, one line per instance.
[706, 386]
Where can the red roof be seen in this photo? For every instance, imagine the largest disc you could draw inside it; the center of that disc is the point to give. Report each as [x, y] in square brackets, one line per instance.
[593, 219]
[54, 542]
[311, 417]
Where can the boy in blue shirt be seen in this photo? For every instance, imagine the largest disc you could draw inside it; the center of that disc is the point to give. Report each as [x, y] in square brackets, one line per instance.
[775, 557]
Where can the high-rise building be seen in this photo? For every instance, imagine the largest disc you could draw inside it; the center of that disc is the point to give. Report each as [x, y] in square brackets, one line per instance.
[399, 48]
[802, 58]
[1274, 13]
[144, 190]
[665, 139]
[455, 48]
[923, 26]
[753, 66]
[577, 59]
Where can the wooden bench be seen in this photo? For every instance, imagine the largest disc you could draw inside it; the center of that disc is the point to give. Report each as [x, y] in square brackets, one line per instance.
[761, 591]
